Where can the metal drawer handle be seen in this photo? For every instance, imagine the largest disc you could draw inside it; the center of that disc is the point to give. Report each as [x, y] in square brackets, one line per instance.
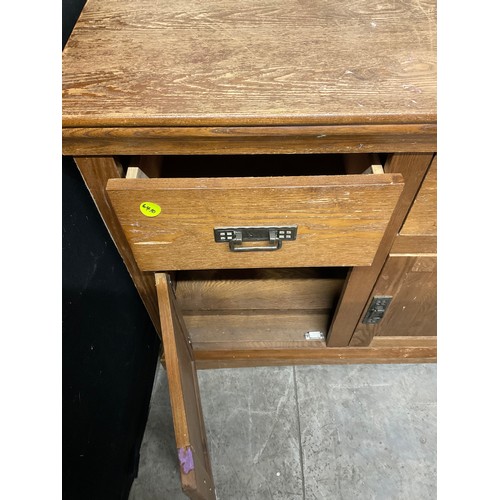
[235, 245]
[236, 237]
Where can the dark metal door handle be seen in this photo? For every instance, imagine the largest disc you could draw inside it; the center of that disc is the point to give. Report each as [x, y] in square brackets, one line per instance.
[236, 244]
[238, 236]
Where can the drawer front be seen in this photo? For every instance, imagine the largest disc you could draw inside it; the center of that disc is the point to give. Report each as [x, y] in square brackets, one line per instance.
[339, 220]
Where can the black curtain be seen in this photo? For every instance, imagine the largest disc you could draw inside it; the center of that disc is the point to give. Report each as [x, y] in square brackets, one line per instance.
[110, 348]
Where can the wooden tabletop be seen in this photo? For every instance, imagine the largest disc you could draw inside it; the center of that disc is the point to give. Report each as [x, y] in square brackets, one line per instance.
[153, 63]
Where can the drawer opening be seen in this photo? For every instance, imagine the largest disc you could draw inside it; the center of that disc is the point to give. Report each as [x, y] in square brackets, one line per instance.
[192, 166]
[252, 308]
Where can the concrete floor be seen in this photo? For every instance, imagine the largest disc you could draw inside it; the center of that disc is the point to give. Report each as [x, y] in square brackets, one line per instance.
[307, 432]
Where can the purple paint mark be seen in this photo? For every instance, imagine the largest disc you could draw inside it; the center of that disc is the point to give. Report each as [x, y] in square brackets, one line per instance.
[186, 459]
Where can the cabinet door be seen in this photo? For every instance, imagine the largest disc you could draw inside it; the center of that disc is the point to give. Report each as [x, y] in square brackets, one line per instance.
[410, 318]
[194, 462]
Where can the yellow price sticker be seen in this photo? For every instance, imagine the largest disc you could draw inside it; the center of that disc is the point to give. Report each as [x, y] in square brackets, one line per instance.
[150, 209]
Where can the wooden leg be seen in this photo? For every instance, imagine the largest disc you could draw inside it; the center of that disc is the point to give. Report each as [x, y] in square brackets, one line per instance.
[361, 280]
[95, 172]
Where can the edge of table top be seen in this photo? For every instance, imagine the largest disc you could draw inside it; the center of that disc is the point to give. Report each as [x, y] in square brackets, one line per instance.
[278, 139]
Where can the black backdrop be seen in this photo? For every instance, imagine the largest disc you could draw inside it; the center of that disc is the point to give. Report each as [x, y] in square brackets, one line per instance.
[110, 348]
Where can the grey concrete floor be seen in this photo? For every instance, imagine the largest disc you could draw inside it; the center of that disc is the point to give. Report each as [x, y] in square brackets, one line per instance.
[306, 432]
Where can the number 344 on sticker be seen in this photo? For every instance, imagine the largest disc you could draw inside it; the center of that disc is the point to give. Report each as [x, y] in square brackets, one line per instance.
[150, 209]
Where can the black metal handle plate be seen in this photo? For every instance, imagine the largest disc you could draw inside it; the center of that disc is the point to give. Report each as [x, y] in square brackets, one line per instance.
[236, 237]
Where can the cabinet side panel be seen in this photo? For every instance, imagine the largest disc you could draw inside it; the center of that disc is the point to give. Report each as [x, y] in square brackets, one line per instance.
[96, 172]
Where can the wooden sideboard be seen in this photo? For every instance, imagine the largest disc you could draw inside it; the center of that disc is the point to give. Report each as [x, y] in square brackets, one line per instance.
[268, 174]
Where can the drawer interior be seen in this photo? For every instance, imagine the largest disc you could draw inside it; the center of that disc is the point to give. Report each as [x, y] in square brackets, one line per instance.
[252, 308]
[332, 220]
[192, 166]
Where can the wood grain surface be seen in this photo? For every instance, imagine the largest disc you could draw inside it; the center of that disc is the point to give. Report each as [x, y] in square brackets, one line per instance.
[189, 426]
[404, 341]
[422, 218]
[252, 330]
[96, 172]
[340, 219]
[412, 282]
[419, 232]
[361, 280]
[265, 290]
[414, 244]
[353, 138]
[222, 358]
[186, 62]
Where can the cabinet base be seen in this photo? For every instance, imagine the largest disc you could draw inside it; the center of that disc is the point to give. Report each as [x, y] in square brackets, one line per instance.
[388, 350]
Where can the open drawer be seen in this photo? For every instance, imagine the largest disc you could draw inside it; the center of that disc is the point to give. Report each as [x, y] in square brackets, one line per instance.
[193, 223]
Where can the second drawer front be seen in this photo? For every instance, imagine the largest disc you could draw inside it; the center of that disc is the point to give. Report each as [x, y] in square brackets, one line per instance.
[340, 220]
